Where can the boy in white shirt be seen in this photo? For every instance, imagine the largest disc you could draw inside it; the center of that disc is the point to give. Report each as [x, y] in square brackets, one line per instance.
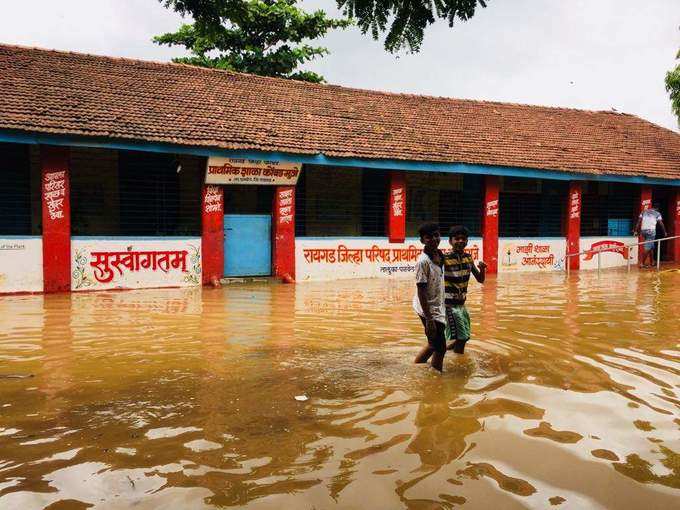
[428, 301]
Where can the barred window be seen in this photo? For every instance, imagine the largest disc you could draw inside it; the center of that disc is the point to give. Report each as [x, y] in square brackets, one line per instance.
[20, 187]
[445, 198]
[463, 207]
[248, 199]
[532, 207]
[374, 202]
[132, 193]
[340, 201]
[608, 208]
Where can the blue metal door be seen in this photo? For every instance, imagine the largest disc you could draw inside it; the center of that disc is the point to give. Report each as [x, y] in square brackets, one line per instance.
[247, 245]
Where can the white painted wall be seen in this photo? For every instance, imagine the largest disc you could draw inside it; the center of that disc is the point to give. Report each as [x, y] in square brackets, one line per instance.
[129, 263]
[21, 264]
[340, 259]
[528, 255]
[613, 251]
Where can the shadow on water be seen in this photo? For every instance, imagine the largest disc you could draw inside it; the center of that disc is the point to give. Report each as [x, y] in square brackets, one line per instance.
[567, 395]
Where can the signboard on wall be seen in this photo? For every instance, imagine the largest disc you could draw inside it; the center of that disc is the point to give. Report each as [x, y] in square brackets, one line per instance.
[614, 251]
[99, 264]
[339, 259]
[521, 255]
[21, 265]
[250, 171]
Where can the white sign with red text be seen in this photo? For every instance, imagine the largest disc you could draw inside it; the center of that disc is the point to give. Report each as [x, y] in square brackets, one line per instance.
[98, 264]
[575, 205]
[286, 206]
[54, 194]
[492, 208]
[614, 251]
[250, 171]
[21, 265]
[397, 200]
[213, 201]
[521, 255]
[340, 259]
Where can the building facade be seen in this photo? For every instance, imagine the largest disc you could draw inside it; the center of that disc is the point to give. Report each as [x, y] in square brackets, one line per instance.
[125, 174]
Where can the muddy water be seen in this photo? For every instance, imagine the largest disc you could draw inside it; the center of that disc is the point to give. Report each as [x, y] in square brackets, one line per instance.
[568, 397]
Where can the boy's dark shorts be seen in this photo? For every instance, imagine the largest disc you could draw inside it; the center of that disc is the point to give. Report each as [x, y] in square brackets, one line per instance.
[437, 341]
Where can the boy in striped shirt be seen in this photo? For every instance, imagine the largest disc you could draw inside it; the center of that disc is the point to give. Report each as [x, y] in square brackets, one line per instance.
[457, 268]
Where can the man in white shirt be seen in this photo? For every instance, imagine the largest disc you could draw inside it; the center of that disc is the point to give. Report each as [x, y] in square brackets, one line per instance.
[646, 227]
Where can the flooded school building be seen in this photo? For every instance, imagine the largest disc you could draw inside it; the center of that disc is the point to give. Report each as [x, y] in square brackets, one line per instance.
[118, 173]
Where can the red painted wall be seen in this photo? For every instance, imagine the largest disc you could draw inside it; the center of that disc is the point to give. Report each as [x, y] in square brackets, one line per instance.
[573, 222]
[396, 212]
[284, 232]
[674, 225]
[645, 199]
[212, 235]
[645, 202]
[490, 213]
[56, 218]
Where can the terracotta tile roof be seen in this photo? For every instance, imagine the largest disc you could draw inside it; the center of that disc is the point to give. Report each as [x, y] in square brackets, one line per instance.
[74, 94]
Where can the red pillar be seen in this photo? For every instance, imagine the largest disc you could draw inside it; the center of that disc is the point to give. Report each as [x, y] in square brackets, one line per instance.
[645, 201]
[396, 214]
[56, 218]
[573, 233]
[674, 227]
[490, 222]
[284, 232]
[212, 232]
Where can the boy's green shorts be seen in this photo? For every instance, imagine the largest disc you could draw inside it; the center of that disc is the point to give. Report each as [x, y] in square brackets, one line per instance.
[457, 323]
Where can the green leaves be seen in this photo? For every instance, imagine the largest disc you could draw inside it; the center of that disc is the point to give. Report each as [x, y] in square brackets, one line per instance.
[409, 18]
[268, 37]
[673, 88]
[264, 37]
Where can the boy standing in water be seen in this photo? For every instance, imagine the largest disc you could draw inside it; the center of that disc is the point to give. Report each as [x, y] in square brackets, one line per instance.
[428, 301]
[457, 268]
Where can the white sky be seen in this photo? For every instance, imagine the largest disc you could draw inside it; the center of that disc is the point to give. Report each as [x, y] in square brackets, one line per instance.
[593, 54]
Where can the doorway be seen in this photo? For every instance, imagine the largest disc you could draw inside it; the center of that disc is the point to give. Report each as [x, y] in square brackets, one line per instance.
[247, 245]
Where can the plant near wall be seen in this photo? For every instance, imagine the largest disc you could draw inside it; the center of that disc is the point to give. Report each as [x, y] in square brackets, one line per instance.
[79, 277]
[193, 276]
[407, 19]
[265, 37]
[673, 88]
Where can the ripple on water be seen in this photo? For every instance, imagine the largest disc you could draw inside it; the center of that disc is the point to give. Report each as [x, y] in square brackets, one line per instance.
[184, 398]
[166, 432]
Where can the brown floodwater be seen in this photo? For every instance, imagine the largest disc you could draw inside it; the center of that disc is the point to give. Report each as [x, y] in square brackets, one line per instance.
[567, 396]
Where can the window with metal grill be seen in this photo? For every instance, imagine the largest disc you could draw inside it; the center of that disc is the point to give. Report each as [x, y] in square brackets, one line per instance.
[244, 199]
[463, 207]
[129, 193]
[301, 204]
[445, 198]
[94, 192]
[608, 208]
[531, 207]
[339, 201]
[374, 186]
[160, 194]
[18, 191]
[332, 201]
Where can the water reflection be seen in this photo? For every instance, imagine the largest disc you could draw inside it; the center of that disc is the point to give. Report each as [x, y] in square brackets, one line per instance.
[568, 395]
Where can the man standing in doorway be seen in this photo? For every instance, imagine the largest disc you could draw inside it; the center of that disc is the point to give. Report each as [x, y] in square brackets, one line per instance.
[646, 227]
